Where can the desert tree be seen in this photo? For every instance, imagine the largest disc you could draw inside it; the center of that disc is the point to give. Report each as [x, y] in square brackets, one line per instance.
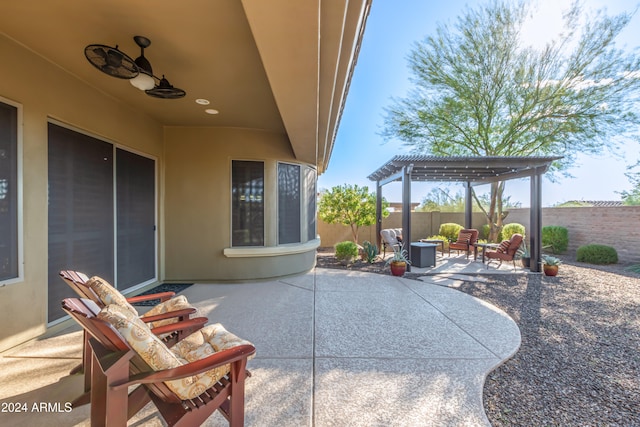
[442, 200]
[632, 197]
[350, 205]
[480, 90]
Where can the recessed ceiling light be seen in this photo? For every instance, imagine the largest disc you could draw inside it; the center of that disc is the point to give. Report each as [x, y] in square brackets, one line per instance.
[202, 101]
[211, 111]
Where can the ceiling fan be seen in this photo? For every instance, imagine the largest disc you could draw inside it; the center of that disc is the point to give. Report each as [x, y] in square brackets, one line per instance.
[115, 63]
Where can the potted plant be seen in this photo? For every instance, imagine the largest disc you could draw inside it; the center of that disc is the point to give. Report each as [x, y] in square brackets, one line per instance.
[398, 262]
[550, 265]
[525, 256]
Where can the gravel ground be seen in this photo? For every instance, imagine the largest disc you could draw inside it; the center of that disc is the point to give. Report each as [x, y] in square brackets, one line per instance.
[579, 361]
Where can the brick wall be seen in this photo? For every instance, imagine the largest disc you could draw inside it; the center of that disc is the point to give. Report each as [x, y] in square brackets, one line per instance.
[615, 226]
[618, 227]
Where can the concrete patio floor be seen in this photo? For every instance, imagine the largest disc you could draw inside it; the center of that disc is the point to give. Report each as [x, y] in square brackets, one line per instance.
[334, 348]
[460, 264]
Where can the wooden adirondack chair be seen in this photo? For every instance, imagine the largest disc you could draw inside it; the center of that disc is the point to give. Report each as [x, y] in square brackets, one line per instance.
[166, 312]
[125, 354]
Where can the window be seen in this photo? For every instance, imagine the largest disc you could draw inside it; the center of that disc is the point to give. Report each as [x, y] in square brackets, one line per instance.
[310, 180]
[247, 203]
[288, 203]
[9, 264]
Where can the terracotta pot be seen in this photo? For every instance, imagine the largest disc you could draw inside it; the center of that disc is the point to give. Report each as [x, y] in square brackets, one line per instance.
[550, 270]
[398, 268]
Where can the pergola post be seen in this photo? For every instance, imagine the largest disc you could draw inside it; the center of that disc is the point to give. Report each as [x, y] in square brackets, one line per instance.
[406, 211]
[378, 214]
[468, 206]
[535, 222]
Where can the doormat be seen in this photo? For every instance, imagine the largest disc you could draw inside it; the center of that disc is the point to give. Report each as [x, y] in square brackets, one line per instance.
[166, 287]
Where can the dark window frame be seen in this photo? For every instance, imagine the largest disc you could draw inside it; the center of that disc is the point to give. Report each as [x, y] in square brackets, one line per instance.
[11, 267]
[287, 217]
[311, 199]
[248, 216]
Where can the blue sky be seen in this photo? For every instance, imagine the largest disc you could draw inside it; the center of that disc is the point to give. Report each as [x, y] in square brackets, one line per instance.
[382, 74]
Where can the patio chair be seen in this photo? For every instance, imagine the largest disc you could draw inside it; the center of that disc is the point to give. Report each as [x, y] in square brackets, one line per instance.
[203, 373]
[169, 310]
[391, 238]
[467, 238]
[506, 251]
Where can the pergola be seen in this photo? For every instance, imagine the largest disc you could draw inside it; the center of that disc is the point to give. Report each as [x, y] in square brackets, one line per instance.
[471, 171]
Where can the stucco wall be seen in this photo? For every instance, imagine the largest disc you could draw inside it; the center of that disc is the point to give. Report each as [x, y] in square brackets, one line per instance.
[615, 226]
[45, 91]
[197, 187]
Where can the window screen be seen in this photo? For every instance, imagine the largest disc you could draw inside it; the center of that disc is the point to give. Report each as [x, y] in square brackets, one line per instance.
[81, 205]
[311, 195]
[247, 200]
[288, 203]
[135, 216]
[8, 192]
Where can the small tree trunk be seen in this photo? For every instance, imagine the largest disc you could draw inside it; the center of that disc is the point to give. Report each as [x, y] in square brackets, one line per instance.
[494, 214]
[354, 233]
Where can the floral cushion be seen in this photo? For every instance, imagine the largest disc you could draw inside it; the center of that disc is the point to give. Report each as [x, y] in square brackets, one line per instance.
[110, 295]
[176, 303]
[158, 356]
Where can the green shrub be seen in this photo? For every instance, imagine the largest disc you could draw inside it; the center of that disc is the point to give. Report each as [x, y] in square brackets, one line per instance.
[443, 238]
[370, 251]
[484, 232]
[597, 254]
[450, 230]
[509, 230]
[555, 238]
[346, 252]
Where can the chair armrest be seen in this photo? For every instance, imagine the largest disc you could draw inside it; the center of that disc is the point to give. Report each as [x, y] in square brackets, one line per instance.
[162, 296]
[185, 312]
[220, 358]
[195, 324]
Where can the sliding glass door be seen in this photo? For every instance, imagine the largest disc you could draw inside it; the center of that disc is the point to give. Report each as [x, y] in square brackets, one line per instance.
[101, 213]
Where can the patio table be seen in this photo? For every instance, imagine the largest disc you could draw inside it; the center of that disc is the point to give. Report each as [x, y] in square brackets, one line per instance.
[484, 247]
[423, 254]
[436, 241]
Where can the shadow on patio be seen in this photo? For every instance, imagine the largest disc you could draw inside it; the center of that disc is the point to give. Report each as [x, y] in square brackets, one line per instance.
[460, 264]
[334, 347]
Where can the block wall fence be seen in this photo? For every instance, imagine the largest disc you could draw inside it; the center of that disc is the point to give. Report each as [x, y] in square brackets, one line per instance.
[614, 226]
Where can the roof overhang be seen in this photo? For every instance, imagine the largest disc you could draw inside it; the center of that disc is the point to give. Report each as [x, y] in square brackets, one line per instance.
[281, 66]
[472, 170]
[318, 40]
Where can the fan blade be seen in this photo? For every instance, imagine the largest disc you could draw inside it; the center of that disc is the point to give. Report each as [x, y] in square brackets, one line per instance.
[114, 58]
[111, 61]
[98, 51]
